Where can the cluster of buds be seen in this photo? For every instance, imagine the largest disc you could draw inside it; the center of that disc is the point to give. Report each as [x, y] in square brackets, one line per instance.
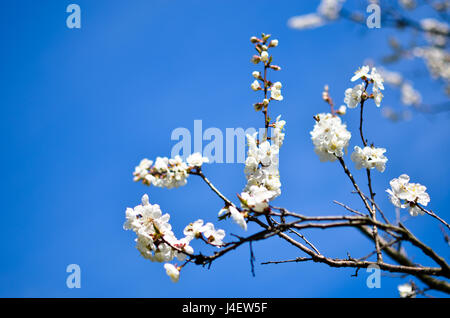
[167, 173]
[262, 46]
[261, 164]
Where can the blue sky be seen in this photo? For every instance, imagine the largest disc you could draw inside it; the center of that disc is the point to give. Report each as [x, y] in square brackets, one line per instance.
[80, 108]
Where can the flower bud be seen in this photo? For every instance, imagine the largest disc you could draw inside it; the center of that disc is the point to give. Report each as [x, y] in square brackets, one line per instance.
[265, 102]
[277, 85]
[258, 106]
[256, 59]
[265, 37]
[255, 85]
[275, 67]
[254, 39]
[264, 47]
[342, 110]
[264, 56]
[256, 74]
[273, 43]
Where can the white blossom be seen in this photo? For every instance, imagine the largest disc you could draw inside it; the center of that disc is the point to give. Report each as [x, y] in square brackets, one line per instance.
[255, 85]
[377, 96]
[182, 248]
[197, 229]
[362, 72]
[369, 158]
[377, 79]
[330, 137]
[173, 272]
[391, 77]
[306, 21]
[196, 160]
[404, 194]
[437, 61]
[378, 86]
[406, 291]
[165, 172]
[261, 164]
[256, 74]
[194, 230]
[213, 236]
[275, 91]
[237, 217]
[353, 95]
[436, 31]
[330, 8]
[155, 239]
[256, 198]
[278, 135]
[264, 56]
[141, 171]
[342, 110]
[409, 95]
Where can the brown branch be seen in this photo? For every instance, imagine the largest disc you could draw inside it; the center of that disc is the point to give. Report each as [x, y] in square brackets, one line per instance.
[348, 208]
[401, 259]
[199, 173]
[431, 213]
[355, 185]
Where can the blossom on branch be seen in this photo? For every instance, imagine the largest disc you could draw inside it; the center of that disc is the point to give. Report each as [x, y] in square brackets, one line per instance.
[330, 137]
[196, 160]
[357, 94]
[353, 95]
[369, 158]
[261, 164]
[362, 72]
[275, 91]
[407, 195]
[278, 135]
[197, 230]
[155, 239]
[167, 173]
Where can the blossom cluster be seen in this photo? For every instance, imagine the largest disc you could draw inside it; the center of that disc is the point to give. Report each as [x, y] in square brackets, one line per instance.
[330, 137]
[156, 240]
[207, 231]
[167, 173]
[369, 158]
[261, 164]
[437, 62]
[435, 31]
[409, 95]
[353, 96]
[404, 194]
